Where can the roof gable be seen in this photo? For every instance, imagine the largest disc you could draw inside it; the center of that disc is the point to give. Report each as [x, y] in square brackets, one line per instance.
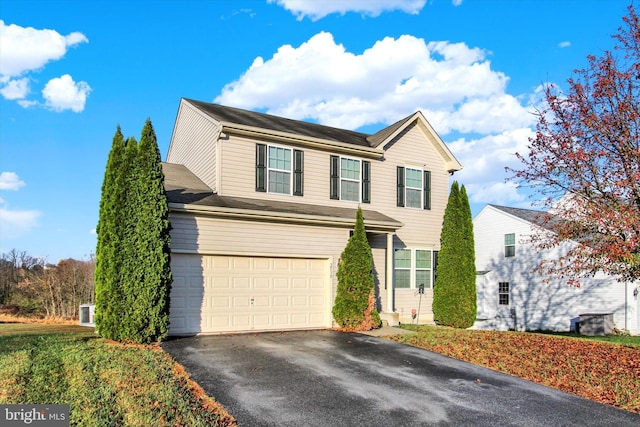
[244, 121]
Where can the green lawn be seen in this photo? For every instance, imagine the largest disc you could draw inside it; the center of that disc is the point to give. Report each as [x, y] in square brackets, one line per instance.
[104, 383]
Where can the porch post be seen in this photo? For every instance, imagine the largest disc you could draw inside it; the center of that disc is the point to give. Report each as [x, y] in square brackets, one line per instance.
[389, 273]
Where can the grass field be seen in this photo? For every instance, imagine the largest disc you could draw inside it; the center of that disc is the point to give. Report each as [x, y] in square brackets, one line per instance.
[607, 372]
[104, 383]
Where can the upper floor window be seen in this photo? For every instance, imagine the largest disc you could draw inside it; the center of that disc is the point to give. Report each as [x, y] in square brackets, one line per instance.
[412, 268]
[503, 293]
[350, 179]
[509, 245]
[413, 188]
[279, 170]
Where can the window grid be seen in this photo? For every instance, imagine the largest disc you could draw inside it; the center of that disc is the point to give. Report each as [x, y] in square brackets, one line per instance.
[413, 188]
[412, 267]
[503, 293]
[279, 170]
[509, 245]
[349, 179]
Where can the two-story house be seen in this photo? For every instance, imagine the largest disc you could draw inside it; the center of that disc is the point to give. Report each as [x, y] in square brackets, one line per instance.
[513, 294]
[261, 207]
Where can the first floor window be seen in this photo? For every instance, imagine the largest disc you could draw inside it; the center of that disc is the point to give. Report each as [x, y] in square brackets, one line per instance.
[509, 245]
[412, 268]
[503, 293]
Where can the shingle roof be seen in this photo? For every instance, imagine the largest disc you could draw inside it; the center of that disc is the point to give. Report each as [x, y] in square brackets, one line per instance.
[183, 187]
[266, 121]
[381, 136]
[539, 218]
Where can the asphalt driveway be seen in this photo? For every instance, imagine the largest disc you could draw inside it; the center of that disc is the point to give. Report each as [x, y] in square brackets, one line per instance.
[328, 378]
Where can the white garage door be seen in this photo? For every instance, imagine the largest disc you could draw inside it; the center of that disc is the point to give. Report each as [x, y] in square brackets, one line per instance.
[212, 294]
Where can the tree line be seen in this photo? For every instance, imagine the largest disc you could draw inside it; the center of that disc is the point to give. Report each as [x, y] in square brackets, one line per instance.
[29, 286]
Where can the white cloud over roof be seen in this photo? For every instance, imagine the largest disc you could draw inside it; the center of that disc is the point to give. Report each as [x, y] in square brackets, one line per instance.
[316, 9]
[453, 84]
[27, 50]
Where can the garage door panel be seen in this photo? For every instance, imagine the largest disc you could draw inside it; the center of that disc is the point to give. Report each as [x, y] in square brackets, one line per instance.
[231, 294]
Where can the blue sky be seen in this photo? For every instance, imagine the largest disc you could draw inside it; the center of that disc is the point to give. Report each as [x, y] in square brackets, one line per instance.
[71, 71]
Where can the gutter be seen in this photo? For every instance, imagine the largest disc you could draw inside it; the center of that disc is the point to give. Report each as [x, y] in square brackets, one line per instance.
[271, 216]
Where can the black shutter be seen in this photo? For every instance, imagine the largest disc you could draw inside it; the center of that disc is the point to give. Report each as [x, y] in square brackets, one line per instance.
[400, 183]
[298, 168]
[366, 182]
[427, 190]
[261, 167]
[334, 173]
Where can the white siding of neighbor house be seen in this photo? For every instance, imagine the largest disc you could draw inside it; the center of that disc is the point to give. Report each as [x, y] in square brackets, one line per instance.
[538, 302]
[193, 144]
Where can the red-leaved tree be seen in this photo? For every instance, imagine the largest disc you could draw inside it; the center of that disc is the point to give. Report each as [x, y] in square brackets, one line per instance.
[587, 147]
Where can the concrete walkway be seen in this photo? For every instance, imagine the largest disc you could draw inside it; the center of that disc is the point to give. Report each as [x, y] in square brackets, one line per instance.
[386, 331]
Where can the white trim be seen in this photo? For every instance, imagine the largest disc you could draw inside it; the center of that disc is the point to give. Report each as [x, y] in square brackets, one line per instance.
[269, 169]
[359, 181]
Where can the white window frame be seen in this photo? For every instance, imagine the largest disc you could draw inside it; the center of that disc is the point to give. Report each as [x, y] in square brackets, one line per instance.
[358, 181]
[407, 188]
[511, 245]
[269, 169]
[413, 269]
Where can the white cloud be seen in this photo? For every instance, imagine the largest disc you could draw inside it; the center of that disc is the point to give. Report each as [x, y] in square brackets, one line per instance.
[390, 80]
[63, 93]
[316, 10]
[15, 89]
[451, 83]
[564, 44]
[93, 231]
[28, 49]
[14, 223]
[10, 181]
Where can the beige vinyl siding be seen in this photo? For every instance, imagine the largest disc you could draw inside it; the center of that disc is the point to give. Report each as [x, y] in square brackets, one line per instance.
[408, 299]
[193, 144]
[411, 149]
[209, 235]
[379, 253]
[422, 227]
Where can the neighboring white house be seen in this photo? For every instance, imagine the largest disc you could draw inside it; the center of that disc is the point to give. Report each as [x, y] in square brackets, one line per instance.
[512, 295]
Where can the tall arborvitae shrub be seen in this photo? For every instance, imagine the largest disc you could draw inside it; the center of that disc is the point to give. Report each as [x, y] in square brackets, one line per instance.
[110, 232]
[354, 306]
[140, 260]
[454, 293]
[468, 307]
[149, 285]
